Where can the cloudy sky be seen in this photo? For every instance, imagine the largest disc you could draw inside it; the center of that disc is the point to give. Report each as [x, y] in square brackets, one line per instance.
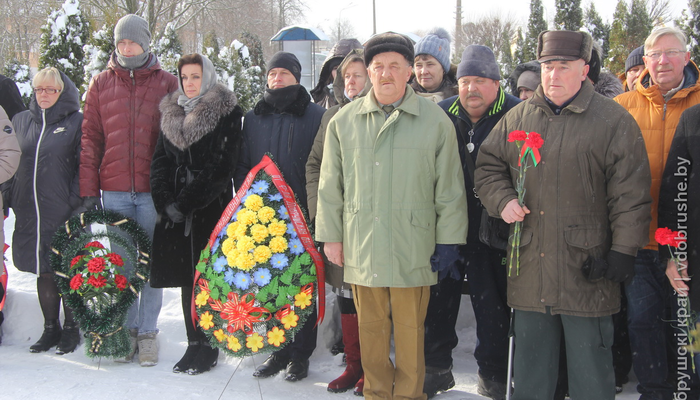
[422, 15]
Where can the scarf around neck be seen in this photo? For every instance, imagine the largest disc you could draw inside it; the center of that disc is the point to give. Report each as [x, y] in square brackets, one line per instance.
[280, 99]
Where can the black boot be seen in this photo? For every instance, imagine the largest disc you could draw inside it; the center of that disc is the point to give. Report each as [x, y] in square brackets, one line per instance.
[271, 366]
[48, 339]
[70, 338]
[190, 354]
[297, 370]
[206, 359]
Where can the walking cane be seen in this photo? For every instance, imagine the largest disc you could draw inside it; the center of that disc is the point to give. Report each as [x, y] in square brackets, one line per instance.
[511, 343]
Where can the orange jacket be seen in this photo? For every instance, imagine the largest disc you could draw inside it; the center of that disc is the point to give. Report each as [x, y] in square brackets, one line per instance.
[658, 119]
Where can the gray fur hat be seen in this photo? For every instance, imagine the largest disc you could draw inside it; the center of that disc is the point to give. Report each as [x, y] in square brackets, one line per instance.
[437, 44]
[564, 46]
[134, 28]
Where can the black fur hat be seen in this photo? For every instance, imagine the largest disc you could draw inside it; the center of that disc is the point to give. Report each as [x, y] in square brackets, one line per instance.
[386, 42]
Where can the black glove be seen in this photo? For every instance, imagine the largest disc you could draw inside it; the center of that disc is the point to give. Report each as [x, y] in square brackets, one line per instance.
[92, 203]
[594, 269]
[444, 261]
[620, 267]
[174, 213]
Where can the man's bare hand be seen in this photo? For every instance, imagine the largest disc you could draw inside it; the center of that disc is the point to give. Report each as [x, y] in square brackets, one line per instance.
[678, 276]
[512, 212]
[334, 252]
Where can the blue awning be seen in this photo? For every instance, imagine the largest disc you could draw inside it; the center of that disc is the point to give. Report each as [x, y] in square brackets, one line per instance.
[298, 32]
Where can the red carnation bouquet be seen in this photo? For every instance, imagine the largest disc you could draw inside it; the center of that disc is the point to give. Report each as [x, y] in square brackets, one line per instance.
[97, 274]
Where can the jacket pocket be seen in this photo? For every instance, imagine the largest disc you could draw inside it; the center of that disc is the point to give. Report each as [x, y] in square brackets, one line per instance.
[585, 237]
[586, 176]
[351, 237]
[422, 243]
[583, 241]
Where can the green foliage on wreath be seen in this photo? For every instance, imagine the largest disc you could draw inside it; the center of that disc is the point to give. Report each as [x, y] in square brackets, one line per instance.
[254, 307]
[101, 321]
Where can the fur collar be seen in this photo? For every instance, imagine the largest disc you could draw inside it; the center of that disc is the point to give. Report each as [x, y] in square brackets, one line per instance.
[185, 130]
[298, 106]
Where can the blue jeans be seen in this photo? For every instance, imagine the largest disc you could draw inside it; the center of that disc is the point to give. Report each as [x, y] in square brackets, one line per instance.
[143, 314]
[648, 296]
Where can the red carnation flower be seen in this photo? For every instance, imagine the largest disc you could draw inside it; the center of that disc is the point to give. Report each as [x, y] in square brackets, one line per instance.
[517, 136]
[97, 281]
[115, 259]
[95, 244]
[678, 238]
[120, 281]
[96, 265]
[76, 282]
[664, 236]
[75, 260]
[534, 140]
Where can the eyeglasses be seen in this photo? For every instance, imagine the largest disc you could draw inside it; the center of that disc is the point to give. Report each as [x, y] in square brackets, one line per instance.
[669, 53]
[47, 90]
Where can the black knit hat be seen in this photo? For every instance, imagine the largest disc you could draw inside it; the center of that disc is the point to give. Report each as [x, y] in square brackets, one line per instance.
[288, 61]
[635, 58]
[386, 42]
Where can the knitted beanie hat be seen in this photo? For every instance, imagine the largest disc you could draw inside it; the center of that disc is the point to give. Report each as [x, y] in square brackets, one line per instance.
[635, 58]
[437, 44]
[478, 60]
[134, 28]
[288, 61]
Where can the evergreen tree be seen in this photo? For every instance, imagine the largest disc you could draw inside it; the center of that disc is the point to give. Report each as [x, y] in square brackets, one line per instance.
[519, 54]
[218, 56]
[599, 30]
[255, 67]
[19, 73]
[689, 23]
[535, 24]
[505, 60]
[639, 24]
[97, 53]
[569, 15]
[618, 51]
[168, 48]
[240, 82]
[62, 40]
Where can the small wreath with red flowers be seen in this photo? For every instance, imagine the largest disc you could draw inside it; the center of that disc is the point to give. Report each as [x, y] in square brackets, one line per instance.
[94, 281]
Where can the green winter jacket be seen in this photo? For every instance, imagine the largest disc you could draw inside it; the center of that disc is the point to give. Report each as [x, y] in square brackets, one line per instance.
[588, 195]
[390, 189]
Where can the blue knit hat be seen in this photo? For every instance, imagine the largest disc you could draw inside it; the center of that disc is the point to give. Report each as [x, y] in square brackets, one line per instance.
[478, 60]
[635, 58]
[437, 44]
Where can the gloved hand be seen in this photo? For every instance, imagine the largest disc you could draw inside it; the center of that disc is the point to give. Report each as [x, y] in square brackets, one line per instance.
[92, 203]
[444, 261]
[620, 267]
[174, 213]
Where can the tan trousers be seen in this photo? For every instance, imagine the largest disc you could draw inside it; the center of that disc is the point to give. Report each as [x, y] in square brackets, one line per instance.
[377, 308]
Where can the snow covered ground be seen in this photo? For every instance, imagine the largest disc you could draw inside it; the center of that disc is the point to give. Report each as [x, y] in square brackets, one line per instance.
[24, 375]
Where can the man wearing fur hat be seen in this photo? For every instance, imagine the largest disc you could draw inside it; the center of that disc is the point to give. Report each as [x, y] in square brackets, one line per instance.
[586, 212]
[284, 124]
[481, 103]
[121, 124]
[390, 195]
[434, 75]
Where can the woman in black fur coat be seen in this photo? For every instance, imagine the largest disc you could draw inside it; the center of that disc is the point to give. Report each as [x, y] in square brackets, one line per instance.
[191, 185]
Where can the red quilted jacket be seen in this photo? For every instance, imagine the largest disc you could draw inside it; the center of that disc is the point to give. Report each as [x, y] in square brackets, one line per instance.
[120, 128]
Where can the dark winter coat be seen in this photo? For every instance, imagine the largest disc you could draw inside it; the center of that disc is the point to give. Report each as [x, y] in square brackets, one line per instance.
[679, 198]
[202, 145]
[503, 103]
[10, 98]
[121, 127]
[608, 85]
[9, 161]
[45, 187]
[447, 88]
[320, 94]
[533, 66]
[287, 136]
[334, 273]
[588, 195]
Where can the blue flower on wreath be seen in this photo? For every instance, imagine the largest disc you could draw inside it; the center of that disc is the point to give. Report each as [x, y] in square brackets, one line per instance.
[291, 230]
[275, 197]
[241, 280]
[228, 276]
[262, 277]
[260, 187]
[295, 246]
[220, 264]
[279, 261]
[284, 214]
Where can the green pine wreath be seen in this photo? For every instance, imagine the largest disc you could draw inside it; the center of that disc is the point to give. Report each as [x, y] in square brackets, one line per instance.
[103, 324]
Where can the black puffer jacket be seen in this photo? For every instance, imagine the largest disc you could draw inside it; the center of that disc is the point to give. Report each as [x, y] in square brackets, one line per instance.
[204, 144]
[10, 98]
[45, 187]
[287, 136]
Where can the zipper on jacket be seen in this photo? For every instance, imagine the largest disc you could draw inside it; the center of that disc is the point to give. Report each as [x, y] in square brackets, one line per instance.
[36, 201]
[289, 139]
[663, 118]
[132, 138]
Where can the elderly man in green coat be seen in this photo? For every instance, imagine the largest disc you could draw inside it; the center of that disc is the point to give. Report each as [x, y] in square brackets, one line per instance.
[391, 193]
